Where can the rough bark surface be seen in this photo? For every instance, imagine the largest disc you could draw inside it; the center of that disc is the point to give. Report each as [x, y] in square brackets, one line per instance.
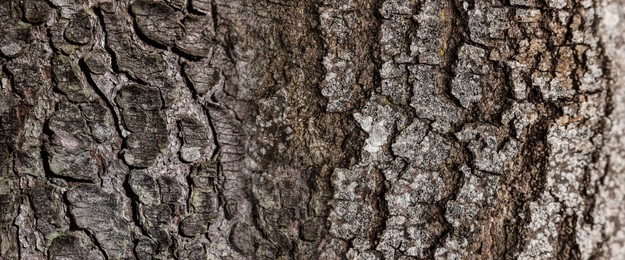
[322, 129]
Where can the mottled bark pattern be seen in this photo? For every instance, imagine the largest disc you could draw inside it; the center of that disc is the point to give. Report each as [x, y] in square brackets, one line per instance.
[325, 129]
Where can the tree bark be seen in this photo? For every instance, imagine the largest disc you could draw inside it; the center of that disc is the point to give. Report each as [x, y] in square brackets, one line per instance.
[321, 129]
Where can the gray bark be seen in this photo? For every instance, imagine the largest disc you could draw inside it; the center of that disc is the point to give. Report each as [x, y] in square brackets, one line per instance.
[325, 129]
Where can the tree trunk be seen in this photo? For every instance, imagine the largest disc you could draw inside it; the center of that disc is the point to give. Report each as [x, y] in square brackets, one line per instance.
[321, 129]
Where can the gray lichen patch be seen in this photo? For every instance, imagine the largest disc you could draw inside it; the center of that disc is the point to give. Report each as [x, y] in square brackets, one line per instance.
[377, 120]
[394, 82]
[478, 188]
[347, 60]
[429, 42]
[395, 28]
[472, 59]
[491, 151]
[354, 214]
[415, 186]
[520, 116]
[571, 149]
[470, 68]
[553, 88]
[410, 229]
[467, 88]
[592, 77]
[475, 199]
[488, 23]
[428, 151]
[427, 101]
[519, 85]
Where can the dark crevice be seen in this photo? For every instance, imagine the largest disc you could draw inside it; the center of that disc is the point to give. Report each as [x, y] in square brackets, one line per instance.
[189, 82]
[142, 36]
[214, 16]
[134, 205]
[186, 55]
[569, 248]
[190, 187]
[109, 50]
[381, 210]
[116, 120]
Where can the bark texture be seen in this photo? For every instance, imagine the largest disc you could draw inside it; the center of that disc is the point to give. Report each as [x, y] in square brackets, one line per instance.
[321, 129]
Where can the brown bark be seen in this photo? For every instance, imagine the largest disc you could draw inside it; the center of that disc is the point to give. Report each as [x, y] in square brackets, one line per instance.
[329, 129]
